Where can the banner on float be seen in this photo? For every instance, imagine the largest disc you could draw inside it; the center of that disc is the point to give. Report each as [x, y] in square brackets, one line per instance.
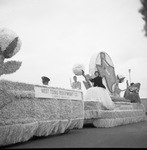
[49, 92]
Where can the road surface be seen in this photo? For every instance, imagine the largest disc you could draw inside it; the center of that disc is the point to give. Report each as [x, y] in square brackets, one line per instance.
[126, 136]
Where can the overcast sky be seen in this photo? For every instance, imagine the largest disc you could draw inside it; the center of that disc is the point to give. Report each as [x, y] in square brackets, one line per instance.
[56, 34]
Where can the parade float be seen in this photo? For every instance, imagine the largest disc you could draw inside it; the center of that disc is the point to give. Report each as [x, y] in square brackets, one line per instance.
[28, 110]
[124, 112]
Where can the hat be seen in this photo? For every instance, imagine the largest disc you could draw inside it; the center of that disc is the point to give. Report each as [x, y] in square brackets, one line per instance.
[44, 78]
[120, 78]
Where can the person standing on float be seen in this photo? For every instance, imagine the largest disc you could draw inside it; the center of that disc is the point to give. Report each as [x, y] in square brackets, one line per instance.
[76, 84]
[98, 92]
[45, 80]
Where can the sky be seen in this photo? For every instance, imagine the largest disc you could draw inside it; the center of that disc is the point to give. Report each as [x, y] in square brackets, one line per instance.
[56, 34]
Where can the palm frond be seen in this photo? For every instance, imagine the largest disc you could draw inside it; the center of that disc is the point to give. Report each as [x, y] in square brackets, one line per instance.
[11, 66]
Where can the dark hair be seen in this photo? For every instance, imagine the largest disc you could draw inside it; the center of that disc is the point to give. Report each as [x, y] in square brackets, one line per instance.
[131, 83]
[96, 72]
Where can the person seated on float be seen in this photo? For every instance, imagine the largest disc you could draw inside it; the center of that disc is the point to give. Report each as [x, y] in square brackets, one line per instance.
[132, 92]
[76, 84]
[98, 92]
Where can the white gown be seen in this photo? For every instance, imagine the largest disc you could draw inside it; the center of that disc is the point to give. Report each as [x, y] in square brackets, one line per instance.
[99, 94]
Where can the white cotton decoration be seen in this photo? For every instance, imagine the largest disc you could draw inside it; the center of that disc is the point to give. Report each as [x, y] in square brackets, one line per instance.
[9, 39]
[77, 69]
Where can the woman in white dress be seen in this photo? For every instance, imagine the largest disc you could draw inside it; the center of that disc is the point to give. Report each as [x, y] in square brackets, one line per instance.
[98, 92]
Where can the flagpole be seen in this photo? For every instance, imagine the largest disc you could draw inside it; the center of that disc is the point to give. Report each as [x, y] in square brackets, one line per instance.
[130, 74]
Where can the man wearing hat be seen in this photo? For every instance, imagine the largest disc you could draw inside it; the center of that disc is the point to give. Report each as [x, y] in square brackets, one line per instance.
[45, 80]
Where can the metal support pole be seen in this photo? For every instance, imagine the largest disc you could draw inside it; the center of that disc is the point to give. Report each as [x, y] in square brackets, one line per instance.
[129, 75]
